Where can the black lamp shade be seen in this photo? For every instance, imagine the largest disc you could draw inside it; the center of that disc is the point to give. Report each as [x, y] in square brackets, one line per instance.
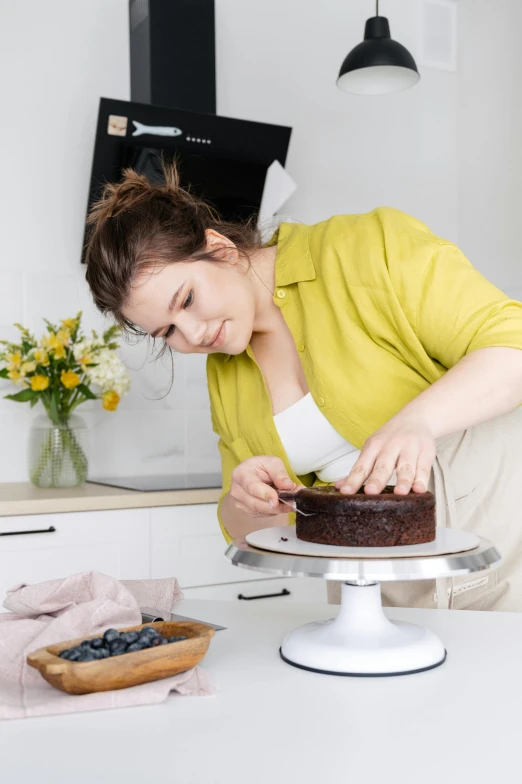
[378, 65]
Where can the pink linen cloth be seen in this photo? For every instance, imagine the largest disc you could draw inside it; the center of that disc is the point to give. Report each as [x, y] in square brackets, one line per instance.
[84, 604]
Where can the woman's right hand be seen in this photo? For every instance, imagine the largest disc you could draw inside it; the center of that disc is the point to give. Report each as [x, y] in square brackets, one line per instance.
[251, 488]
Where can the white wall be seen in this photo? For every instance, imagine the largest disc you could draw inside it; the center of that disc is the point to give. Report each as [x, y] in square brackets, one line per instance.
[348, 153]
[277, 62]
[490, 138]
[57, 59]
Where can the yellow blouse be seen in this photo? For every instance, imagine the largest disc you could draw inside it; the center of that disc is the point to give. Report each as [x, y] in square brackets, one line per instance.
[379, 308]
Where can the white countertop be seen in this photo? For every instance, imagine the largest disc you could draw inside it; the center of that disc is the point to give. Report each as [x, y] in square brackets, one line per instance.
[272, 723]
[23, 498]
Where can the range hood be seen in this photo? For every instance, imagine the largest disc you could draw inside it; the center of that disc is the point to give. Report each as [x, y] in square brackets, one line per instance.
[236, 165]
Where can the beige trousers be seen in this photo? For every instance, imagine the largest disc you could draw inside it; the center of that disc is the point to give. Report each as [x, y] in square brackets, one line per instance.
[477, 481]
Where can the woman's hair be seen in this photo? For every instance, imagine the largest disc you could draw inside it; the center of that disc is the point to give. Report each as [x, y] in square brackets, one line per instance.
[137, 226]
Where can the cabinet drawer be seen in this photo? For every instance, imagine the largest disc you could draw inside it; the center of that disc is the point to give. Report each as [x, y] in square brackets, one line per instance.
[186, 541]
[300, 589]
[34, 548]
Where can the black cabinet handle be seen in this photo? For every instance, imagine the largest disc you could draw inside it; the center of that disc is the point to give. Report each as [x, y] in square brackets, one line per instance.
[49, 530]
[284, 592]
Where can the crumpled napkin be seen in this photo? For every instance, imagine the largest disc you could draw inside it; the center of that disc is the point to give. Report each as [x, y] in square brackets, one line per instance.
[83, 604]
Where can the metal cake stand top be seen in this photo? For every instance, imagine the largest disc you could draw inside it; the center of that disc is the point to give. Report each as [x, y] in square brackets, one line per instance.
[361, 570]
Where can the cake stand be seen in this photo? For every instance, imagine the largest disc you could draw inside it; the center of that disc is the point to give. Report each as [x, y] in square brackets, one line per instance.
[361, 640]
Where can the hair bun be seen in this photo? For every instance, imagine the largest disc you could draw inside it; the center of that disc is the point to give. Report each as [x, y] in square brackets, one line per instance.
[132, 190]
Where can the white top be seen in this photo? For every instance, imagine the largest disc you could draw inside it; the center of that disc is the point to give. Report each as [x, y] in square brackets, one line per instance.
[360, 729]
[312, 444]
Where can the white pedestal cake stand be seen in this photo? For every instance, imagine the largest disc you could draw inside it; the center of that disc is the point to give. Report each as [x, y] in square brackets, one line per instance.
[361, 640]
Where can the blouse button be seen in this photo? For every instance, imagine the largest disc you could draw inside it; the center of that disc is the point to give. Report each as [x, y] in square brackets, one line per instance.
[301, 346]
[320, 401]
[281, 294]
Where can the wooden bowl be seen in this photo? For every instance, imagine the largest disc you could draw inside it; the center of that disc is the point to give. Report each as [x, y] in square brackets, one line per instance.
[129, 669]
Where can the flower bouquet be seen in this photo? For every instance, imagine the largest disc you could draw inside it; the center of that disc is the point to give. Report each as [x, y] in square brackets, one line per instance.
[58, 371]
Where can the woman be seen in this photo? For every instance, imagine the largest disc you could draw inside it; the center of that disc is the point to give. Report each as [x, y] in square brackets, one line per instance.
[360, 351]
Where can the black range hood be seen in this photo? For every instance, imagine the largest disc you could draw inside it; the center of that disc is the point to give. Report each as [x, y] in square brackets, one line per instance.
[173, 54]
[224, 160]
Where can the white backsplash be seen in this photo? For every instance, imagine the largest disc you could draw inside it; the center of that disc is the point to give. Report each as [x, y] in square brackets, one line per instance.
[154, 430]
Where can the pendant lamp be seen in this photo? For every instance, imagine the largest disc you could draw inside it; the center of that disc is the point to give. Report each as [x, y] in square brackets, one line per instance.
[378, 65]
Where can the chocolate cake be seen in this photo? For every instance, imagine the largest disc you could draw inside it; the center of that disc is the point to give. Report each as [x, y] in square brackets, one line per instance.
[360, 520]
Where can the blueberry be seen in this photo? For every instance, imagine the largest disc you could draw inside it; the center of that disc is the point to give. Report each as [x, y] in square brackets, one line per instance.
[118, 651]
[117, 644]
[176, 639]
[130, 637]
[157, 641]
[71, 654]
[135, 646]
[86, 656]
[149, 630]
[110, 635]
[100, 653]
[97, 642]
[85, 644]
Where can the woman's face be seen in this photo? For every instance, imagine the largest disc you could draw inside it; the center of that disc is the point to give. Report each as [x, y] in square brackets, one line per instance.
[198, 307]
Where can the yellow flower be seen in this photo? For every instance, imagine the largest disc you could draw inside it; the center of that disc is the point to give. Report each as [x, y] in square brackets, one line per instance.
[69, 324]
[69, 379]
[41, 357]
[63, 336]
[15, 360]
[111, 400]
[87, 359]
[27, 367]
[56, 344]
[15, 376]
[59, 352]
[39, 383]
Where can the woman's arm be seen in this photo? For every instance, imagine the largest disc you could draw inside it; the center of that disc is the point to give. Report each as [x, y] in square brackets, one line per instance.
[481, 386]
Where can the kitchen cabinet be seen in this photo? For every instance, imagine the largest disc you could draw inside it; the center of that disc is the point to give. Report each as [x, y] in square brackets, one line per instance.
[265, 591]
[34, 548]
[187, 541]
[183, 541]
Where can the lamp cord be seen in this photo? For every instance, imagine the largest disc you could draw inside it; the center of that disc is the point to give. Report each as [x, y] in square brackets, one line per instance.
[377, 7]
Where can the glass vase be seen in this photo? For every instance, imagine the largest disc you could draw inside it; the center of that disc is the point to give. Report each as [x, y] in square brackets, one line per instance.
[57, 454]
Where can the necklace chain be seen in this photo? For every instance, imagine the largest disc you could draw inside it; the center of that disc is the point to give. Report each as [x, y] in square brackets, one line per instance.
[263, 282]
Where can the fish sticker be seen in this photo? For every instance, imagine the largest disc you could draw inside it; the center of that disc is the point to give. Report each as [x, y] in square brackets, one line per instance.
[155, 130]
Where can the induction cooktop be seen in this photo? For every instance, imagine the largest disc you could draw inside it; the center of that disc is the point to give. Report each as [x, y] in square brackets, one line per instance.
[161, 482]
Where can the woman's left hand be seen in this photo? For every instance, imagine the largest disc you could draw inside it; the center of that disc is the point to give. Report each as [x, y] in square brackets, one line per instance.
[404, 445]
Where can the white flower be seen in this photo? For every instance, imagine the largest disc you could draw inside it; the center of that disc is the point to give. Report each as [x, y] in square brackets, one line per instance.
[109, 372]
[83, 347]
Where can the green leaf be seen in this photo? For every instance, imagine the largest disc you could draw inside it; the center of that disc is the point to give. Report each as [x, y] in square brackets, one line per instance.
[34, 401]
[50, 326]
[4, 373]
[110, 333]
[86, 392]
[23, 396]
[54, 411]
